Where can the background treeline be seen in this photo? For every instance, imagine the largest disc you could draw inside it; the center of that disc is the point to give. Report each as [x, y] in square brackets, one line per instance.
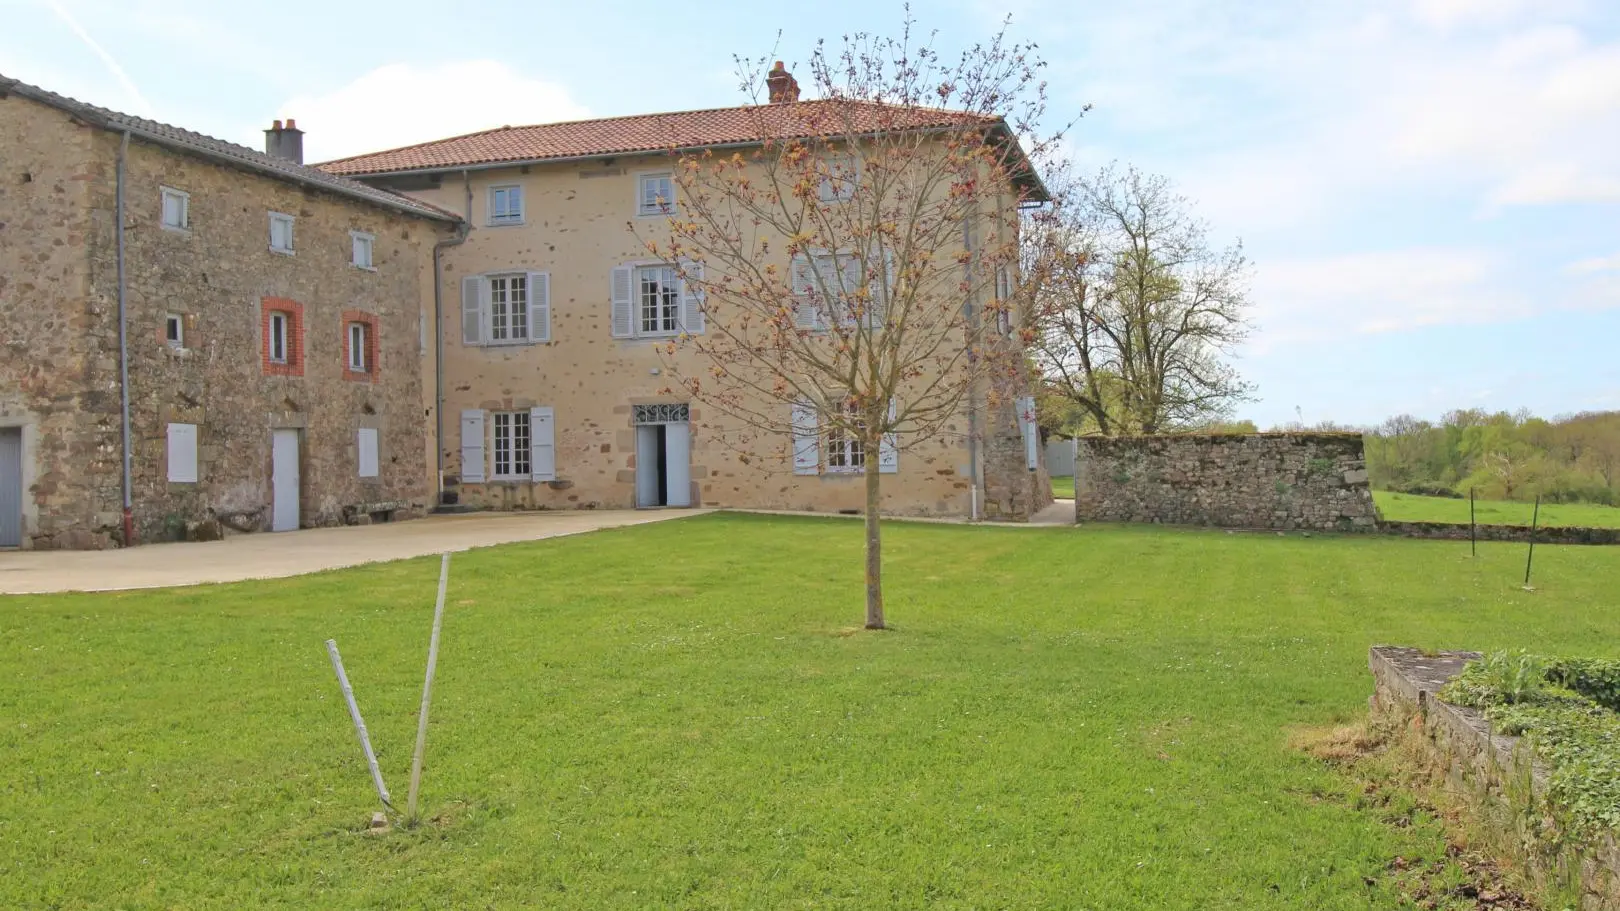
[1502, 456]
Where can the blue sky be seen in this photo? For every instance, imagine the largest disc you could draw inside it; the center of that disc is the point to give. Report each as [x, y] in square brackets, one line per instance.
[1429, 189]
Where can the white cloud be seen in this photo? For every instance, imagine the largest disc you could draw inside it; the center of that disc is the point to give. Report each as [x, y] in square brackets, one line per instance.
[401, 104]
[1331, 297]
[1595, 264]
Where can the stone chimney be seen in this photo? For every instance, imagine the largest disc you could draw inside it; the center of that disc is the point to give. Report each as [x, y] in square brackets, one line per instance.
[784, 88]
[285, 141]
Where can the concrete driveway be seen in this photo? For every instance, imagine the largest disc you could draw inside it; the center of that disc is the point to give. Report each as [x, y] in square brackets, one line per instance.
[293, 553]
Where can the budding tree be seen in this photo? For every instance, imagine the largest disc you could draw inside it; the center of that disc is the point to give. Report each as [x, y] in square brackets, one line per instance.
[1136, 314]
[848, 258]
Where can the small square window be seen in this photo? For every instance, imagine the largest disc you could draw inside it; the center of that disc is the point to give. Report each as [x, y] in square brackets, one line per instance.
[279, 325]
[363, 243]
[357, 347]
[281, 232]
[839, 176]
[655, 194]
[176, 209]
[506, 205]
[174, 330]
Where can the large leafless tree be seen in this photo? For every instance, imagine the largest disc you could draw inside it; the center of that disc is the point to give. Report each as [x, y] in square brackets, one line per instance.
[849, 266]
[1137, 316]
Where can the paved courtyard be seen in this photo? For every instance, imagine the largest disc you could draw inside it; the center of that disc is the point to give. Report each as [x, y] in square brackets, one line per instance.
[269, 556]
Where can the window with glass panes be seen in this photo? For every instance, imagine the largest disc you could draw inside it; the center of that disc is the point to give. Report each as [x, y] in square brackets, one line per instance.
[657, 196]
[844, 448]
[511, 444]
[509, 308]
[658, 300]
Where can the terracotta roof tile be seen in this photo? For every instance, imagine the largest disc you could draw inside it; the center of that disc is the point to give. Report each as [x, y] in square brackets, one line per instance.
[650, 133]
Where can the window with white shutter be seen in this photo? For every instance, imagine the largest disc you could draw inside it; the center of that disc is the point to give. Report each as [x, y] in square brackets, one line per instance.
[806, 439]
[889, 449]
[542, 444]
[182, 453]
[624, 308]
[366, 446]
[651, 300]
[506, 309]
[512, 454]
[472, 446]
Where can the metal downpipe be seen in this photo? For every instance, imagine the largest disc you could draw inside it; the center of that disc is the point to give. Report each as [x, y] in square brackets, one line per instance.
[123, 347]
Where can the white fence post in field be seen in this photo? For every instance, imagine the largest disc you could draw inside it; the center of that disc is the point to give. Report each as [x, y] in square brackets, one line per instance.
[427, 692]
[359, 723]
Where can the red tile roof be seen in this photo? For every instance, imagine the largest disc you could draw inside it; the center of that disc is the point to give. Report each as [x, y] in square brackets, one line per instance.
[651, 133]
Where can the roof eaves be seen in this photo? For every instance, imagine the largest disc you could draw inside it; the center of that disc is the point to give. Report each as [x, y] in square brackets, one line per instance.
[119, 123]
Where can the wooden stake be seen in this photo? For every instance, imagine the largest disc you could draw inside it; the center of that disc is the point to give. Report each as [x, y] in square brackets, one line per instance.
[359, 723]
[1535, 519]
[427, 692]
[1473, 528]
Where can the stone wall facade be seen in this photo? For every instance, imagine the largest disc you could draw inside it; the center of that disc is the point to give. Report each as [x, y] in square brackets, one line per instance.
[218, 277]
[1286, 480]
[573, 231]
[1520, 534]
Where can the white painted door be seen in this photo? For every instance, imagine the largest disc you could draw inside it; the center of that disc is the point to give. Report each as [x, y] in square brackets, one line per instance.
[11, 487]
[678, 464]
[649, 486]
[284, 480]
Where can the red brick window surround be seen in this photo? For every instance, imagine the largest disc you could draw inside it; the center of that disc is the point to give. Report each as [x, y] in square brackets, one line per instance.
[281, 336]
[363, 324]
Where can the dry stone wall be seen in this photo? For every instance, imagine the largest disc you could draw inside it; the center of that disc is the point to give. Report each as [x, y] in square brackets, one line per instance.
[1287, 480]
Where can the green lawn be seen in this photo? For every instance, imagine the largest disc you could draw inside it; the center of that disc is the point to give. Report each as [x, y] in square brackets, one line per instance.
[1405, 507]
[1063, 487]
[680, 716]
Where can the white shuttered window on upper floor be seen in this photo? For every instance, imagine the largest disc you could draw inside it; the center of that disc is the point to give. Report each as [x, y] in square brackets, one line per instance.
[506, 308]
[653, 300]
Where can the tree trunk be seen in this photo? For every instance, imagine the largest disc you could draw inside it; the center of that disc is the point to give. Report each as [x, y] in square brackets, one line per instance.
[874, 549]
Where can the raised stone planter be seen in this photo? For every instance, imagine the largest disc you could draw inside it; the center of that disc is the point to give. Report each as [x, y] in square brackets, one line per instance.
[1498, 775]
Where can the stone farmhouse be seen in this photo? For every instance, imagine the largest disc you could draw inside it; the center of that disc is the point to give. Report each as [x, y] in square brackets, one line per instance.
[247, 350]
[467, 321]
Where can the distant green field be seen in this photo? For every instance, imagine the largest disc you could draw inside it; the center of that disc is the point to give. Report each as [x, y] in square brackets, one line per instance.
[1063, 487]
[1405, 507]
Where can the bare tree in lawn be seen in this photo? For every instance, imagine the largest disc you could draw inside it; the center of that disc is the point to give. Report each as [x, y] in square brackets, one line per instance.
[848, 264]
[1136, 315]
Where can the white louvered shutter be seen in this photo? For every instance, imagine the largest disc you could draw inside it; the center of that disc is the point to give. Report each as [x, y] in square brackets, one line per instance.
[472, 310]
[624, 311]
[801, 278]
[539, 306]
[692, 300]
[883, 291]
[806, 439]
[366, 443]
[183, 453]
[472, 446]
[542, 444]
[889, 449]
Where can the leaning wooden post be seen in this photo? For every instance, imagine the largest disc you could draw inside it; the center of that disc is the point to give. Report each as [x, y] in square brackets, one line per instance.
[359, 723]
[1473, 529]
[427, 692]
[1535, 518]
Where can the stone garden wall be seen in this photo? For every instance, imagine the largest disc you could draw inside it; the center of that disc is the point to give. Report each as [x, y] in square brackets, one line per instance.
[1501, 782]
[1282, 480]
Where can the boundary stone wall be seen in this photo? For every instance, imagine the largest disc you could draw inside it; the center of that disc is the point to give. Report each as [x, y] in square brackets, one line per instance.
[1497, 774]
[1554, 534]
[1263, 480]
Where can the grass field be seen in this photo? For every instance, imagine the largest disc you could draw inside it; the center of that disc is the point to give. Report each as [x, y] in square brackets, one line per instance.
[680, 716]
[1063, 488]
[1405, 507]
